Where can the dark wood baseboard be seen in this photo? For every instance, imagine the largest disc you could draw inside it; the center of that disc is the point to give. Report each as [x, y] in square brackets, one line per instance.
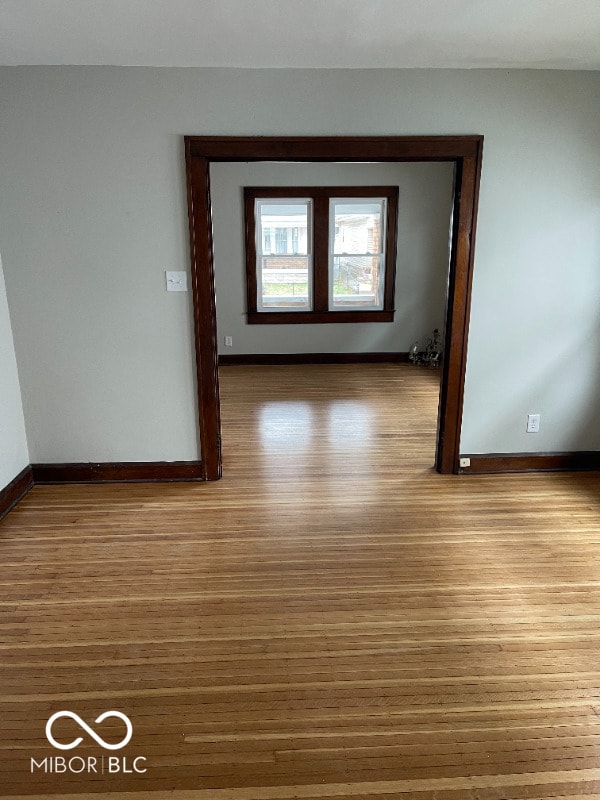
[115, 472]
[313, 358]
[118, 472]
[15, 491]
[588, 460]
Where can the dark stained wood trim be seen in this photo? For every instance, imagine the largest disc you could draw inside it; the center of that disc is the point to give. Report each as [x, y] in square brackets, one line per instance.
[458, 308]
[320, 258]
[250, 251]
[15, 491]
[588, 460]
[313, 358]
[325, 192]
[450, 363]
[464, 151]
[333, 148]
[205, 315]
[115, 472]
[317, 317]
[118, 472]
[391, 244]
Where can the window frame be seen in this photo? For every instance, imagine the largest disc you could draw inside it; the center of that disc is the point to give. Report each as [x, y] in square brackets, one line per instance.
[320, 196]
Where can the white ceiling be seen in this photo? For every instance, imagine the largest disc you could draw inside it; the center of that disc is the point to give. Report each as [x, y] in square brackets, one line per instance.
[539, 34]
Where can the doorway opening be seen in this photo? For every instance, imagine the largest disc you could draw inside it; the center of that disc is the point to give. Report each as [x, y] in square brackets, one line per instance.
[463, 151]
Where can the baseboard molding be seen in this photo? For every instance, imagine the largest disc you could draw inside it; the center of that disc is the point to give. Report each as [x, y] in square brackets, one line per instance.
[15, 491]
[588, 460]
[112, 472]
[267, 359]
[118, 472]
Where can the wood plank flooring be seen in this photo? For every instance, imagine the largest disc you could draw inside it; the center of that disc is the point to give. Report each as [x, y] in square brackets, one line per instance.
[331, 620]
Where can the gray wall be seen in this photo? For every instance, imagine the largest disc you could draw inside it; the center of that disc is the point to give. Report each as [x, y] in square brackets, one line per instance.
[14, 455]
[425, 200]
[92, 211]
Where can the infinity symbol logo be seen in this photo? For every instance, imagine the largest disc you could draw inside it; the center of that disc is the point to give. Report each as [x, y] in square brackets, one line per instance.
[88, 730]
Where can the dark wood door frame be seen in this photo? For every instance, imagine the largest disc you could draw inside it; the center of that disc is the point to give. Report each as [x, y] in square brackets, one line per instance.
[464, 151]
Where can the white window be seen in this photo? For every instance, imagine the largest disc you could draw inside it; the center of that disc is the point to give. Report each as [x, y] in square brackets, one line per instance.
[356, 252]
[284, 263]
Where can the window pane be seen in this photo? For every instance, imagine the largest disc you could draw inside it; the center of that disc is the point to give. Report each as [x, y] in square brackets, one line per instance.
[284, 226]
[284, 266]
[284, 283]
[357, 282]
[357, 225]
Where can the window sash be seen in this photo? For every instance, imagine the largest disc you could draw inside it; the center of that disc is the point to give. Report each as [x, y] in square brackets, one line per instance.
[292, 303]
[353, 301]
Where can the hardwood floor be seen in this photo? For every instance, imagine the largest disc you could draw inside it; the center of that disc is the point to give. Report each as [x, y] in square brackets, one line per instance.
[331, 620]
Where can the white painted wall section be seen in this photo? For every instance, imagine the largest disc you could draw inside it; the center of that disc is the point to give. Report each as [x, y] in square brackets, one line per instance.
[14, 454]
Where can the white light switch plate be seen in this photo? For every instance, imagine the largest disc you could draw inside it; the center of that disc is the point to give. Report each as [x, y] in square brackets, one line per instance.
[176, 281]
